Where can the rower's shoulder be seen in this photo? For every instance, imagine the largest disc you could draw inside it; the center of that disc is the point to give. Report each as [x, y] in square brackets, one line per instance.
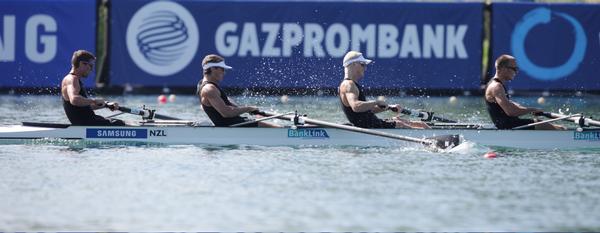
[347, 85]
[70, 79]
[209, 89]
[494, 91]
[493, 86]
[347, 81]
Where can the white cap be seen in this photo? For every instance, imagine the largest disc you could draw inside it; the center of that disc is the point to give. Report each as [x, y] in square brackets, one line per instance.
[219, 64]
[353, 56]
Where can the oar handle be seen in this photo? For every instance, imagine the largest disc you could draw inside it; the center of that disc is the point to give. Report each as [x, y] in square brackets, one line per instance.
[109, 105]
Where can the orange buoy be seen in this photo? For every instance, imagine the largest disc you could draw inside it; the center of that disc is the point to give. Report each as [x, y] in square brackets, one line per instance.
[490, 155]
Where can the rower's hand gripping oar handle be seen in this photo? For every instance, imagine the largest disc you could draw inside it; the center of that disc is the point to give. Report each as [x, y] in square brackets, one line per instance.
[109, 105]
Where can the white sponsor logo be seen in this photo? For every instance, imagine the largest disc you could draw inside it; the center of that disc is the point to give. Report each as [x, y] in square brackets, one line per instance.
[162, 38]
[313, 40]
[40, 38]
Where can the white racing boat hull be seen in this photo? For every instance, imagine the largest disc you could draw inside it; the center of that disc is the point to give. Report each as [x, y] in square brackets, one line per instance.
[302, 136]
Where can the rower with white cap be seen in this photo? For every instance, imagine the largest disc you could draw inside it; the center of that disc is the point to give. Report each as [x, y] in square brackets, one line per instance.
[219, 108]
[357, 109]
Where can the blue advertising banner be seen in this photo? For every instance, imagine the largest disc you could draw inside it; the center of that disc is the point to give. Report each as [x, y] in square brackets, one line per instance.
[296, 44]
[557, 46]
[38, 38]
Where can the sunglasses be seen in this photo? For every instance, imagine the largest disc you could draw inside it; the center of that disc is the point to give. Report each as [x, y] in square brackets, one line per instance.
[514, 68]
[91, 65]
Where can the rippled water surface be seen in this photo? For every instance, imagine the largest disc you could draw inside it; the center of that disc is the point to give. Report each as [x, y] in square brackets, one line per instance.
[77, 186]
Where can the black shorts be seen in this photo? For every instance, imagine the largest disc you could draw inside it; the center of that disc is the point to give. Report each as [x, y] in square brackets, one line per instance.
[100, 121]
[236, 120]
[386, 125]
[515, 122]
[250, 125]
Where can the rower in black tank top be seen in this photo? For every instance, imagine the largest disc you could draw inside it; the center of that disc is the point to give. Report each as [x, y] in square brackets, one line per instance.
[215, 116]
[502, 120]
[364, 119]
[85, 115]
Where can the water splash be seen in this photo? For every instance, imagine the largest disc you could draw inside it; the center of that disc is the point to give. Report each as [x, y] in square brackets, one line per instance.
[468, 148]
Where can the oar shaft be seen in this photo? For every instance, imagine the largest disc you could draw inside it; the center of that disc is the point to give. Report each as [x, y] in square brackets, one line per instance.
[368, 131]
[546, 121]
[357, 129]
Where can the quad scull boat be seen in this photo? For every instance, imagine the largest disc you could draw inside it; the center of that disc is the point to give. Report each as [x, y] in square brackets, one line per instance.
[182, 132]
[318, 133]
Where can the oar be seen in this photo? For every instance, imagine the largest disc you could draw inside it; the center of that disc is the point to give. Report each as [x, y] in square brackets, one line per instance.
[581, 121]
[115, 115]
[146, 113]
[427, 116]
[261, 119]
[546, 121]
[437, 142]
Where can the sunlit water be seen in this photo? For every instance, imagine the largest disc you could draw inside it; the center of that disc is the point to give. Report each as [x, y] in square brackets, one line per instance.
[78, 186]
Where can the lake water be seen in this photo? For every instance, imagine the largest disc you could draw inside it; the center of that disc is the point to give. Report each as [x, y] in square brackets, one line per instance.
[74, 186]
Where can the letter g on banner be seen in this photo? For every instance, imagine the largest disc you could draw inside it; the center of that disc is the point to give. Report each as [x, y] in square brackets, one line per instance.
[542, 15]
[162, 38]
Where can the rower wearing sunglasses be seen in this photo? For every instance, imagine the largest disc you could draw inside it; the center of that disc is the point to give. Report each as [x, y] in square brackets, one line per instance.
[76, 103]
[358, 110]
[504, 111]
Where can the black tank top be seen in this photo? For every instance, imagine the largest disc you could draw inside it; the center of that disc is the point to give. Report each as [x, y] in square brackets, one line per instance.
[213, 114]
[500, 119]
[364, 119]
[78, 115]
